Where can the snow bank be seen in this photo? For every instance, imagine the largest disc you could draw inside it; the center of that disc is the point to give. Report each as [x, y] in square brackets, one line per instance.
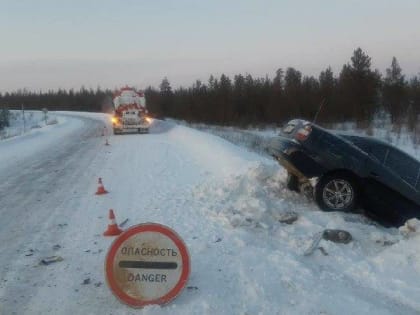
[26, 122]
[379, 264]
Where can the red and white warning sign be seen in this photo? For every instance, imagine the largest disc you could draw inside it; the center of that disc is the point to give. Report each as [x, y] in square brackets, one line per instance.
[147, 264]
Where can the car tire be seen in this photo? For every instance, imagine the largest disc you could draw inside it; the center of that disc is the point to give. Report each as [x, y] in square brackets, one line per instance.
[337, 192]
[292, 182]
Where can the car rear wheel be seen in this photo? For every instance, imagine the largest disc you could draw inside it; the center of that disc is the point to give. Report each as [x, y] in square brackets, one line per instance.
[336, 192]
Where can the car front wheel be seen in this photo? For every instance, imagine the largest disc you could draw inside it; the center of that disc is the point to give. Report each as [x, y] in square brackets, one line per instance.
[336, 192]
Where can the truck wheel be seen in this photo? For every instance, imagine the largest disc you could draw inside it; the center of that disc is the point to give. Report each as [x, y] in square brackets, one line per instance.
[336, 192]
[292, 182]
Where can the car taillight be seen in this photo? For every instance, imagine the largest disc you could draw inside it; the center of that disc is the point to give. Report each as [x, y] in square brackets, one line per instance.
[303, 133]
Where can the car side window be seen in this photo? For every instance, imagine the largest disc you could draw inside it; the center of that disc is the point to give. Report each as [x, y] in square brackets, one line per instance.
[403, 165]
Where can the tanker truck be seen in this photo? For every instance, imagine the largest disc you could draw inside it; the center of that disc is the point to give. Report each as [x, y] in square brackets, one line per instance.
[130, 112]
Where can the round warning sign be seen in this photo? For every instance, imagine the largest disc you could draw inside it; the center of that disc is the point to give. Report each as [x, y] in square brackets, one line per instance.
[147, 264]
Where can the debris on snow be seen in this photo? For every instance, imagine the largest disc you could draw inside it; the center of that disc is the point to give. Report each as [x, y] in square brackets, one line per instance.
[315, 242]
[123, 222]
[287, 217]
[56, 247]
[50, 260]
[337, 236]
[86, 281]
[323, 251]
[386, 242]
[192, 288]
[30, 252]
[219, 239]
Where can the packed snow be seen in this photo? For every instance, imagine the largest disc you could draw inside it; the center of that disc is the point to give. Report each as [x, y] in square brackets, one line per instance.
[223, 200]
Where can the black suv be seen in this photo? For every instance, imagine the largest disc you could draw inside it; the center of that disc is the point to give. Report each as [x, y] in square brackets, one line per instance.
[350, 171]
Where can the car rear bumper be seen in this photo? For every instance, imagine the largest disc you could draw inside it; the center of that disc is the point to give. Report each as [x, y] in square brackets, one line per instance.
[131, 127]
[293, 157]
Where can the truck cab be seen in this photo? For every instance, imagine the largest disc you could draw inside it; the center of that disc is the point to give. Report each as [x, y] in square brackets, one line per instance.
[130, 112]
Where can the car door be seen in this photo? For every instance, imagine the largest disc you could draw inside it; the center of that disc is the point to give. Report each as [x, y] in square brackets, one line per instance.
[340, 153]
[407, 169]
[395, 169]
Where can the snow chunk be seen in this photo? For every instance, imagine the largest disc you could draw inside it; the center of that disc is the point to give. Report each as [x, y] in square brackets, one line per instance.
[410, 228]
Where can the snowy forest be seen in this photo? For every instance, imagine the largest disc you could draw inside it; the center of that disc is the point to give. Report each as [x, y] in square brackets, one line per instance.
[357, 93]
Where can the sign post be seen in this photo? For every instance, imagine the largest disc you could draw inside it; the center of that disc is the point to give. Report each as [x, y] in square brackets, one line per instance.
[147, 264]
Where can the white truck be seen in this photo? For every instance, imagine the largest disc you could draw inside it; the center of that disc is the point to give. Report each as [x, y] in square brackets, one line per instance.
[130, 112]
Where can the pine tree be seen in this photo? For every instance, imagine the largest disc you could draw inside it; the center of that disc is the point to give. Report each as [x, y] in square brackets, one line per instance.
[358, 86]
[394, 91]
[166, 98]
[292, 89]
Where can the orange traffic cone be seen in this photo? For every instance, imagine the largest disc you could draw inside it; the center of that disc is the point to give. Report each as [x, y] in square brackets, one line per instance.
[101, 189]
[113, 228]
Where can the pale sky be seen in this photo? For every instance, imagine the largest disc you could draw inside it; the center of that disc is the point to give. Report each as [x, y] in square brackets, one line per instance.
[50, 44]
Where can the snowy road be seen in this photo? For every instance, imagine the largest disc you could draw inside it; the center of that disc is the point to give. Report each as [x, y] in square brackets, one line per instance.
[220, 198]
[34, 202]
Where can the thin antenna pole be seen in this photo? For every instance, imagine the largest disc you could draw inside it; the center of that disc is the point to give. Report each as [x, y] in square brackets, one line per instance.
[319, 109]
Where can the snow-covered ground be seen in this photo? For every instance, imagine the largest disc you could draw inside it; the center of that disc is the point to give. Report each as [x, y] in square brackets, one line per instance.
[223, 200]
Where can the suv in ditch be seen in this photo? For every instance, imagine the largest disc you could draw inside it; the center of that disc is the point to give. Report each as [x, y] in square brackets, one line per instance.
[349, 171]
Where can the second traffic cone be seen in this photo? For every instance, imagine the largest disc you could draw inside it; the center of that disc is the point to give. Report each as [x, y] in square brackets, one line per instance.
[113, 228]
[101, 189]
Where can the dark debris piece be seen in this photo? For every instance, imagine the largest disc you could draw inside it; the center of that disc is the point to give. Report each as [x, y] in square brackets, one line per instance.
[30, 252]
[50, 260]
[337, 236]
[86, 281]
[323, 251]
[192, 288]
[288, 217]
[56, 247]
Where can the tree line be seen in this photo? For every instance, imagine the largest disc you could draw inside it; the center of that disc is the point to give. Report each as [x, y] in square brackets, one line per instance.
[357, 93]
